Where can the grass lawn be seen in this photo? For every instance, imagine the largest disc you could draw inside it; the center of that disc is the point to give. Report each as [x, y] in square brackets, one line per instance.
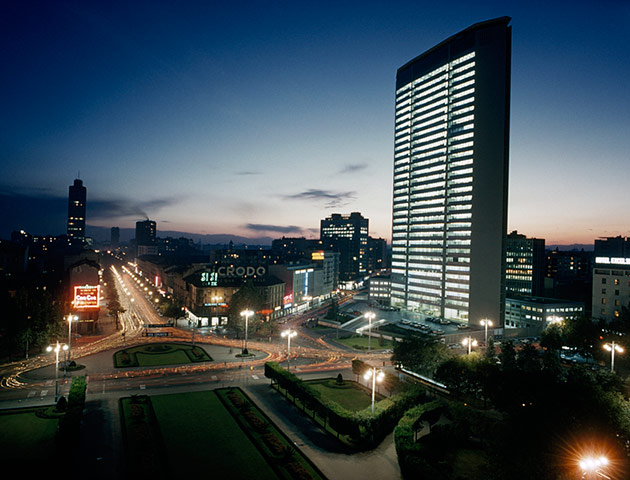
[350, 395]
[360, 342]
[202, 437]
[468, 463]
[26, 436]
[158, 354]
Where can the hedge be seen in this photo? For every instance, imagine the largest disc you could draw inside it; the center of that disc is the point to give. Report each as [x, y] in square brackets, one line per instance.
[364, 428]
[70, 424]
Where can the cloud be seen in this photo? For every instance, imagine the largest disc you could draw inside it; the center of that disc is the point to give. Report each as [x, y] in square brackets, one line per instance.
[333, 199]
[248, 172]
[102, 209]
[39, 212]
[354, 168]
[274, 228]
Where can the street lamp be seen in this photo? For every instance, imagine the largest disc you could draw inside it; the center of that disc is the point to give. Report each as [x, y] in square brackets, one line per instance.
[611, 347]
[370, 316]
[246, 314]
[471, 342]
[486, 323]
[71, 318]
[289, 334]
[376, 376]
[591, 467]
[57, 348]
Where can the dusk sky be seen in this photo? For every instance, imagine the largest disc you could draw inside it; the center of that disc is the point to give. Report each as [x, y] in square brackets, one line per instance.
[259, 118]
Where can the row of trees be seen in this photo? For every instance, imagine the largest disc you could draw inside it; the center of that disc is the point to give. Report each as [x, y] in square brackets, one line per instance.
[30, 318]
[549, 412]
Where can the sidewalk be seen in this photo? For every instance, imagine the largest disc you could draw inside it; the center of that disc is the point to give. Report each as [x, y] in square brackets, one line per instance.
[335, 460]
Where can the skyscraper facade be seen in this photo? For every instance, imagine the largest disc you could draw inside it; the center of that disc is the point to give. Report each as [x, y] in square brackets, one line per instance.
[348, 235]
[451, 176]
[77, 195]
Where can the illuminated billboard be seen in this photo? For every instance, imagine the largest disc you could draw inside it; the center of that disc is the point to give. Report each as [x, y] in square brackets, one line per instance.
[86, 296]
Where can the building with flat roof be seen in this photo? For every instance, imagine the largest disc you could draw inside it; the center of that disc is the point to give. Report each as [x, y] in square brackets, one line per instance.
[451, 176]
[348, 235]
[538, 312]
[611, 278]
[525, 265]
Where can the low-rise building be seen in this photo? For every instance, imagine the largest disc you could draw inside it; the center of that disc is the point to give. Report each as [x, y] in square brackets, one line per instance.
[539, 312]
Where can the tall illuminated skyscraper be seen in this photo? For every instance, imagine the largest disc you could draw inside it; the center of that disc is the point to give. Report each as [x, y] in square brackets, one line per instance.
[451, 176]
[77, 195]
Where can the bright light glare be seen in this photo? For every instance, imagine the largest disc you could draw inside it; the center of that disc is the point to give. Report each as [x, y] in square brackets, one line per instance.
[592, 463]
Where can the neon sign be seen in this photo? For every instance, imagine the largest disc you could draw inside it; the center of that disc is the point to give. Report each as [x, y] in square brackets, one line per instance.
[87, 296]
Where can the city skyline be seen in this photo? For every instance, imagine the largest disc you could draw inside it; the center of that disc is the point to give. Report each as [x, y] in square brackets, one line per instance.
[264, 126]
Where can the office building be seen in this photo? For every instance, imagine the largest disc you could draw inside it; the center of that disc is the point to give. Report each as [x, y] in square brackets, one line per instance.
[611, 278]
[537, 313]
[451, 176]
[146, 242]
[525, 265]
[115, 237]
[348, 235]
[77, 195]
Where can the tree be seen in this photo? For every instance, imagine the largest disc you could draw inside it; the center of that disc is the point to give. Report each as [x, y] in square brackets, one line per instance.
[246, 298]
[490, 353]
[581, 333]
[358, 367]
[552, 337]
[332, 312]
[420, 354]
[507, 357]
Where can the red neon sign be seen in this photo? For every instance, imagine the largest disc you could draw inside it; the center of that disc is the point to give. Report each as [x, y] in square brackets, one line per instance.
[87, 296]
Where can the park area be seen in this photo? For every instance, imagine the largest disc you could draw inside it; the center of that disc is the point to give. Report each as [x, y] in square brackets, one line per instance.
[363, 342]
[221, 432]
[160, 354]
[348, 394]
[25, 431]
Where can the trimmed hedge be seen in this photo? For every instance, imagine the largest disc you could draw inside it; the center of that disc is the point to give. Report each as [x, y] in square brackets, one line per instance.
[364, 429]
[70, 424]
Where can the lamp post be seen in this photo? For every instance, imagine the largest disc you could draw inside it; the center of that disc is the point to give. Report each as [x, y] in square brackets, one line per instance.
[57, 348]
[376, 376]
[471, 342]
[289, 334]
[71, 318]
[591, 467]
[486, 323]
[246, 314]
[611, 347]
[370, 316]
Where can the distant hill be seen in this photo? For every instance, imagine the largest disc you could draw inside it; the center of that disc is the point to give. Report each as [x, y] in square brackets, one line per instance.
[103, 234]
[587, 247]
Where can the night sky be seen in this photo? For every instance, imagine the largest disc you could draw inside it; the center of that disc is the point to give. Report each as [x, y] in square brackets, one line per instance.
[260, 118]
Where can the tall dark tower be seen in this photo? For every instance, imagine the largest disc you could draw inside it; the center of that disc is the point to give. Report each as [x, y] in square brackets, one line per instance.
[77, 195]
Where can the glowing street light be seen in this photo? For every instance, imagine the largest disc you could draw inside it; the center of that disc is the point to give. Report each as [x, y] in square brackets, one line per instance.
[57, 348]
[486, 323]
[370, 316]
[376, 376]
[471, 342]
[246, 314]
[289, 334]
[71, 318]
[612, 347]
[591, 467]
